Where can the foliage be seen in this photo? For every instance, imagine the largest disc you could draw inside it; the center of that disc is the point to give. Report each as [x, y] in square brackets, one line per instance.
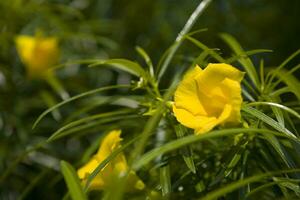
[93, 94]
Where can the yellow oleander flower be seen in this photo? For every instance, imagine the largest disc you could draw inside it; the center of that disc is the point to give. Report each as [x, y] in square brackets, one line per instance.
[115, 168]
[38, 54]
[209, 97]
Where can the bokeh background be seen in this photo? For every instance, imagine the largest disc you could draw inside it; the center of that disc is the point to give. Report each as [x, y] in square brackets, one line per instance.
[108, 29]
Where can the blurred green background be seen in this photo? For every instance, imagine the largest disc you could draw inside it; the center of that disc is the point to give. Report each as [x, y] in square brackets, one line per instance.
[109, 29]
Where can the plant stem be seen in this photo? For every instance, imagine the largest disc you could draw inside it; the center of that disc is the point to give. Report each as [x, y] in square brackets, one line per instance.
[187, 27]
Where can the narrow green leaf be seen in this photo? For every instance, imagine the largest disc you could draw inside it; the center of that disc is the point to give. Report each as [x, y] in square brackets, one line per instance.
[237, 152]
[289, 183]
[147, 157]
[201, 58]
[124, 65]
[147, 59]
[291, 71]
[179, 39]
[59, 133]
[277, 111]
[88, 126]
[187, 152]
[50, 101]
[271, 74]
[278, 148]
[102, 89]
[165, 180]
[231, 159]
[205, 48]
[272, 104]
[290, 80]
[240, 183]
[248, 95]
[72, 63]
[58, 87]
[246, 62]
[247, 54]
[72, 181]
[264, 186]
[265, 118]
[262, 74]
[197, 31]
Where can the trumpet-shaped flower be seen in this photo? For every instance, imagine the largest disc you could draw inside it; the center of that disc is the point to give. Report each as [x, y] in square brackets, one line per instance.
[114, 169]
[38, 54]
[209, 97]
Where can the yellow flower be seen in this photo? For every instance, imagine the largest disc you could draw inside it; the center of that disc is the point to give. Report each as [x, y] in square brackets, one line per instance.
[114, 169]
[209, 97]
[38, 54]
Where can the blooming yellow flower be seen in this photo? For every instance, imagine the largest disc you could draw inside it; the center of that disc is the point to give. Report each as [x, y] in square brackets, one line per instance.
[115, 168]
[38, 54]
[209, 97]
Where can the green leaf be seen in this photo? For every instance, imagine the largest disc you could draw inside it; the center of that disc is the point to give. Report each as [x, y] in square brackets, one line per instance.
[58, 87]
[60, 132]
[147, 157]
[277, 111]
[246, 62]
[124, 65]
[87, 126]
[272, 104]
[102, 89]
[201, 30]
[290, 80]
[247, 54]
[265, 118]
[291, 71]
[187, 152]
[264, 186]
[201, 58]
[279, 149]
[50, 101]
[240, 183]
[289, 183]
[271, 74]
[205, 48]
[72, 180]
[179, 39]
[147, 59]
[165, 180]
[231, 159]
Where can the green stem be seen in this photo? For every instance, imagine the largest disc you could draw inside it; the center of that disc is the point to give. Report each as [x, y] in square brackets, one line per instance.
[58, 87]
[187, 27]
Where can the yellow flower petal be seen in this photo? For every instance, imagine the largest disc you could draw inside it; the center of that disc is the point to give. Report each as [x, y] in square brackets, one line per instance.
[207, 126]
[193, 121]
[25, 47]
[215, 73]
[109, 144]
[114, 169]
[38, 54]
[209, 97]
[187, 92]
[87, 169]
[233, 90]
